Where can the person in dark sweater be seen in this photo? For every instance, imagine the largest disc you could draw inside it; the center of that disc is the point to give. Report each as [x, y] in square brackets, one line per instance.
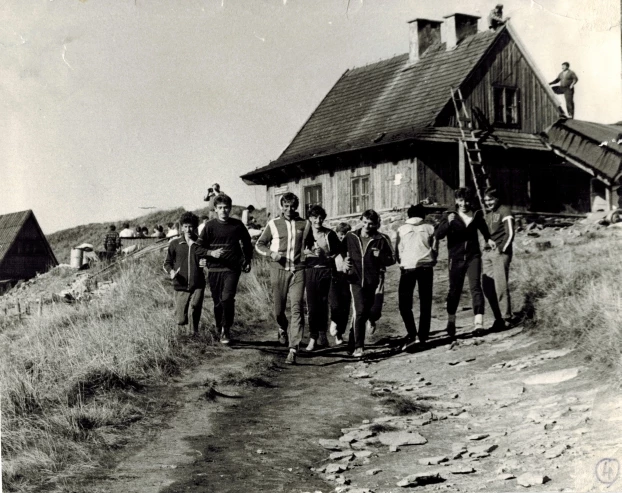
[229, 252]
[182, 265]
[340, 299]
[320, 247]
[495, 280]
[465, 258]
[366, 253]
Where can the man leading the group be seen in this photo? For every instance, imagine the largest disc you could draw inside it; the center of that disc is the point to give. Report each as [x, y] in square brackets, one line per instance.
[229, 252]
[495, 280]
[282, 242]
[366, 253]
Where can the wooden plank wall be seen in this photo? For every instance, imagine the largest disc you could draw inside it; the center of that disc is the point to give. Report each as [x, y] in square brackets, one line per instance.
[506, 66]
[20, 264]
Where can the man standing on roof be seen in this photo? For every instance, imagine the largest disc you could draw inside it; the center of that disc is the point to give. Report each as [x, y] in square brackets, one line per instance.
[281, 241]
[567, 80]
[495, 18]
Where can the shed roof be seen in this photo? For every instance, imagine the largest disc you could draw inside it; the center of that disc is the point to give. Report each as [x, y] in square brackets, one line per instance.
[384, 102]
[10, 226]
[597, 146]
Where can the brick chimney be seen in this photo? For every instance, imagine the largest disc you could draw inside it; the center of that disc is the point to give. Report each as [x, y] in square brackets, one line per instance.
[457, 27]
[423, 34]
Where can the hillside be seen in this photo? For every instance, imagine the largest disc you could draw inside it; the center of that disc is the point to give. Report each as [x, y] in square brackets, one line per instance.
[63, 241]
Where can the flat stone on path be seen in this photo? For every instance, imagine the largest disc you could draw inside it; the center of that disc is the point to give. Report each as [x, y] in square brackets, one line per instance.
[335, 468]
[553, 377]
[555, 452]
[399, 438]
[341, 455]
[460, 469]
[479, 436]
[373, 472]
[531, 479]
[360, 374]
[356, 436]
[362, 454]
[482, 449]
[420, 479]
[432, 461]
[330, 444]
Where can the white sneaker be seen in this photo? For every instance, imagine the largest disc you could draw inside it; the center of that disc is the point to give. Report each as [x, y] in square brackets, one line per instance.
[224, 336]
[332, 330]
[338, 341]
[370, 327]
[358, 353]
[311, 345]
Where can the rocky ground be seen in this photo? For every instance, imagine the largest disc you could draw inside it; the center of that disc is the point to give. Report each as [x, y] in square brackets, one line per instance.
[498, 412]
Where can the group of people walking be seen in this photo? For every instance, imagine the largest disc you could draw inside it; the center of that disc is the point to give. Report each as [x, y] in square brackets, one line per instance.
[342, 272]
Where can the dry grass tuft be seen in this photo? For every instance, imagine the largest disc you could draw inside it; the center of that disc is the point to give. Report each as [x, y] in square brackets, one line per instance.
[72, 379]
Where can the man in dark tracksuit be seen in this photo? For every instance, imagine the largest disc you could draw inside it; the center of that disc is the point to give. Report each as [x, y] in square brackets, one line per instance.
[229, 252]
[182, 264]
[465, 258]
[366, 252]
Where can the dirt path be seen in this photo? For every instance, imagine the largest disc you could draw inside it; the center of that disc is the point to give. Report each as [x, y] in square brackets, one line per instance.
[500, 407]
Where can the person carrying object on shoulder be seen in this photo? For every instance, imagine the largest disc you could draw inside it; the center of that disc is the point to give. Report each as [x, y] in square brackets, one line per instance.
[229, 253]
[281, 241]
[416, 252]
[461, 227]
[320, 247]
[182, 265]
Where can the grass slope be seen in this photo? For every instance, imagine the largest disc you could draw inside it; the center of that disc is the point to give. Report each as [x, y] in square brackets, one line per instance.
[63, 241]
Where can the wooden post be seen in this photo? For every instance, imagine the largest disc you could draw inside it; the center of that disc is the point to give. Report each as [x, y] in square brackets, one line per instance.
[19, 311]
[40, 306]
[461, 165]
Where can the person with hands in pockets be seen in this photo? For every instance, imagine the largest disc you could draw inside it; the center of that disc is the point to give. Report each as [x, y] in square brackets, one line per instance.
[281, 241]
[465, 258]
[366, 252]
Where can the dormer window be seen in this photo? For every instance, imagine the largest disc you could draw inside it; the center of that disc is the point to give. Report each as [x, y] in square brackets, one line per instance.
[506, 106]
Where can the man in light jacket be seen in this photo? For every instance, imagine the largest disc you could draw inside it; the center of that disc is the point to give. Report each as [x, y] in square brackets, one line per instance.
[416, 252]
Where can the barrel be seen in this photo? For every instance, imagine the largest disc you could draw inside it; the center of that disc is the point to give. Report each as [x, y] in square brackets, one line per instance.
[76, 258]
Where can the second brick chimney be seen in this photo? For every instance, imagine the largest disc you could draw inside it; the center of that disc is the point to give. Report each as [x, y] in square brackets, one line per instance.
[457, 27]
[423, 34]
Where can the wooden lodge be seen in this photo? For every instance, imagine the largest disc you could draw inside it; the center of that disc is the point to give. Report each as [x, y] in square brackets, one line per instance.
[24, 249]
[386, 135]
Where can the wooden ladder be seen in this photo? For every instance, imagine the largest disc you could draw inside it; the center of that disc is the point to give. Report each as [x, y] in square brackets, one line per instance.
[470, 143]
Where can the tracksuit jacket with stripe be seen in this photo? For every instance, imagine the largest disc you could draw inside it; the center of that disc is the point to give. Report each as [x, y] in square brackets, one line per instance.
[366, 267]
[283, 236]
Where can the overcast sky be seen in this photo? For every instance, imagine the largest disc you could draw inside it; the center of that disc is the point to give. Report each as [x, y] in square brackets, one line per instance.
[110, 107]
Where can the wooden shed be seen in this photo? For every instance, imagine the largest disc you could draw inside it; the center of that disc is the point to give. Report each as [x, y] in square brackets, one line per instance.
[386, 135]
[24, 249]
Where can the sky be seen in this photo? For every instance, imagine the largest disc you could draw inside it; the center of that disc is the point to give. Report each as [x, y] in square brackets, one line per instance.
[108, 109]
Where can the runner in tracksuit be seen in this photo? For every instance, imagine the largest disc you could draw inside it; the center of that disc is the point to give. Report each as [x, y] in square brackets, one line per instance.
[495, 280]
[465, 258]
[282, 242]
[366, 252]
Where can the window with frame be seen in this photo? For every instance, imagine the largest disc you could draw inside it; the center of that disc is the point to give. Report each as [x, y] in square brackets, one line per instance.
[359, 194]
[506, 106]
[312, 196]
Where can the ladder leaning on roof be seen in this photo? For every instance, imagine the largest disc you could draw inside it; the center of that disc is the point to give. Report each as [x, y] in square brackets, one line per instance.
[470, 143]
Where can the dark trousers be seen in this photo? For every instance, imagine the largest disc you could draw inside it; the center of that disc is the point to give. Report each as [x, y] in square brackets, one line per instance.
[189, 305]
[223, 285]
[376, 309]
[409, 278]
[569, 97]
[340, 303]
[363, 298]
[317, 286]
[458, 269]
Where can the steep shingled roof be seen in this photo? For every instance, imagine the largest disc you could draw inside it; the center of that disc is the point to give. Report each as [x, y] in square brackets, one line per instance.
[10, 226]
[385, 101]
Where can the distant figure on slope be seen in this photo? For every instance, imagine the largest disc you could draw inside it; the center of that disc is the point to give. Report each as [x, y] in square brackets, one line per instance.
[210, 196]
[416, 252]
[497, 260]
[566, 79]
[340, 298]
[366, 253]
[204, 220]
[229, 252]
[127, 232]
[182, 265]
[112, 242]
[281, 240]
[158, 232]
[495, 18]
[320, 248]
[465, 258]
